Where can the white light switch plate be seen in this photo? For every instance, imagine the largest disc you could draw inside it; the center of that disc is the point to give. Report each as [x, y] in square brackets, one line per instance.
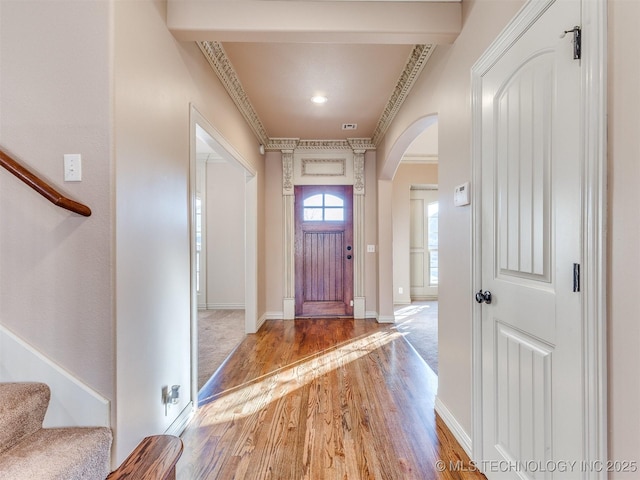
[72, 167]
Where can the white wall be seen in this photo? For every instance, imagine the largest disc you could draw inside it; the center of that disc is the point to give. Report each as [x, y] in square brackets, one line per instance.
[624, 233]
[56, 290]
[225, 235]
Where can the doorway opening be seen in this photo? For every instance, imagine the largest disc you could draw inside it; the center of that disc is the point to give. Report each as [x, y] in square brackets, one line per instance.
[324, 250]
[223, 264]
[415, 242]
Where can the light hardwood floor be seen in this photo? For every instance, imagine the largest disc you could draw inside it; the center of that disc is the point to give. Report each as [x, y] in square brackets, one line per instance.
[321, 399]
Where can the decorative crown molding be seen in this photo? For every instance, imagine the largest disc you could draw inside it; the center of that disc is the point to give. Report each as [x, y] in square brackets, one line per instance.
[280, 144]
[323, 145]
[361, 144]
[416, 62]
[217, 58]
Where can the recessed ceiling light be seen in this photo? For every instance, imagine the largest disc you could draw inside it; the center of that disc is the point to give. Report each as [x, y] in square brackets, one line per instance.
[319, 99]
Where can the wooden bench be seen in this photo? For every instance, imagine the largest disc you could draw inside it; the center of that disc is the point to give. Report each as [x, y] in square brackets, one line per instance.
[154, 458]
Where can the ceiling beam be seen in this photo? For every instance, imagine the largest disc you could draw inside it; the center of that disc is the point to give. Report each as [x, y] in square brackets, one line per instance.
[378, 22]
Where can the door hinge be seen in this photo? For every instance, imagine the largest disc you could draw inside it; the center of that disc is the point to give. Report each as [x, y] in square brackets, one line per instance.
[577, 41]
[576, 277]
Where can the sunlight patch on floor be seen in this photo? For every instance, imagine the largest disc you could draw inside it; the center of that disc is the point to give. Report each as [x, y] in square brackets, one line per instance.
[410, 310]
[250, 398]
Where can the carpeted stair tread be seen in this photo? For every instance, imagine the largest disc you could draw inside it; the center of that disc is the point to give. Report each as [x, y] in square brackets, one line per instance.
[22, 410]
[76, 453]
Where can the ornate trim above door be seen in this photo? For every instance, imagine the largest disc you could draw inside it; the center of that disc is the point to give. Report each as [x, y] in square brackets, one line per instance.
[309, 166]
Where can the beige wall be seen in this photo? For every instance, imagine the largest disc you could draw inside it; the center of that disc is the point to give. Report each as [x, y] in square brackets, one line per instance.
[371, 234]
[624, 232]
[156, 79]
[274, 212]
[56, 288]
[58, 270]
[444, 88]
[408, 174]
[225, 235]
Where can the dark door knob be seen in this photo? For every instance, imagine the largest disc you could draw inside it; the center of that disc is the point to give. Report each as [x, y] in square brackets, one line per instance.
[483, 297]
[348, 257]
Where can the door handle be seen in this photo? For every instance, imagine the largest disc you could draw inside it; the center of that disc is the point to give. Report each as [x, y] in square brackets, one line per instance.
[483, 297]
[348, 257]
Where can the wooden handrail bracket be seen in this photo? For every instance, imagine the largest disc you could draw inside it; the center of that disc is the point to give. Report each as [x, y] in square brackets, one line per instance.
[42, 187]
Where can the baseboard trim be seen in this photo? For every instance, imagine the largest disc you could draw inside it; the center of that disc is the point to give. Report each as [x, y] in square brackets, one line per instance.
[273, 316]
[182, 420]
[225, 306]
[450, 421]
[73, 403]
[371, 314]
[386, 319]
[261, 321]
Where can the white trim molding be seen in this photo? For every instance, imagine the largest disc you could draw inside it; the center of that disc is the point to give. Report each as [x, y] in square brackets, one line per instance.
[594, 180]
[182, 420]
[73, 403]
[452, 424]
[224, 306]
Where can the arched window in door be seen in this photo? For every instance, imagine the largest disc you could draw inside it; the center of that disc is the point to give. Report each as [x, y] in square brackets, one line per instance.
[323, 207]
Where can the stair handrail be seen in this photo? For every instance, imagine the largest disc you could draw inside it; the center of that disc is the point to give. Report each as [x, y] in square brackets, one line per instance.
[40, 186]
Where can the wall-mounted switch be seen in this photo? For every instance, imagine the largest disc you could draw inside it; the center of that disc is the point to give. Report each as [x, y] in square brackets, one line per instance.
[72, 167]
[400, 290]
[170, 396]
[371, 249]
[461, 195]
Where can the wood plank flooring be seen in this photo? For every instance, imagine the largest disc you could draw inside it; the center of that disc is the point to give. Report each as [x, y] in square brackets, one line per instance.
[321, 399]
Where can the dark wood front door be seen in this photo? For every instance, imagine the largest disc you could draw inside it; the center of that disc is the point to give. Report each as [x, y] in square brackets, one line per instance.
[324, 250]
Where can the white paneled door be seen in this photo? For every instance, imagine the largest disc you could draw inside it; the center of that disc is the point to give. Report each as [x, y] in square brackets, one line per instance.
[532, 358]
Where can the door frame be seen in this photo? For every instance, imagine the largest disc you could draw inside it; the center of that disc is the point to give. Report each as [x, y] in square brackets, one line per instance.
[299, 251]
[594, 180]
[230, 154]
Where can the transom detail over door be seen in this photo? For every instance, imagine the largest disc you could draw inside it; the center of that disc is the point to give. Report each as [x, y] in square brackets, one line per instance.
[324, 250]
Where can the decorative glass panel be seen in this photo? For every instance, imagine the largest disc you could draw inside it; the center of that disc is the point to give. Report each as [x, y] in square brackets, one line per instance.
[323, 207]
[313, 214]
[334, 214]
[333, 201]
[313, 201]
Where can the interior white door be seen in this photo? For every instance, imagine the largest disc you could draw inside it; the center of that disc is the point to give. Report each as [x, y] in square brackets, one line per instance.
[423, 244]
[532, 391]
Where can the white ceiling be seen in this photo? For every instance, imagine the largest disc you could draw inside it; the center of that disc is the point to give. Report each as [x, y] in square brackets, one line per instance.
[273, 56]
